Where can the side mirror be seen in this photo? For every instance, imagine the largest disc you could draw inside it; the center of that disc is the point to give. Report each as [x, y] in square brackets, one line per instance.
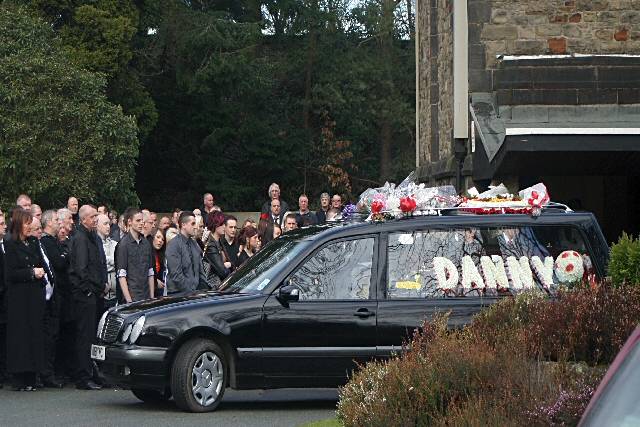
[288, 294]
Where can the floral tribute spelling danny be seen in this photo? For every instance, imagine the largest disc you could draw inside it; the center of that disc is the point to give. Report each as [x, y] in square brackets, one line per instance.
[495, 272]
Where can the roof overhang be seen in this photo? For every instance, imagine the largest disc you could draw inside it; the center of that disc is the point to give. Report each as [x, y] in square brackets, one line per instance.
[555, 140]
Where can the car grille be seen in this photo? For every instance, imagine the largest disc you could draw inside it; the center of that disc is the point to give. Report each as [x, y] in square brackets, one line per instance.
[111, 328]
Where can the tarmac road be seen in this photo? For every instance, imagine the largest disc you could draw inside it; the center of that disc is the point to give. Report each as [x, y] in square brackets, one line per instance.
[109, 407]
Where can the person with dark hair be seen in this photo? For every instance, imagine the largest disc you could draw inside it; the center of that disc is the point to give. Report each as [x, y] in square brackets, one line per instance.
[135, 260]
[217, 265]
[86, 268]
[24, 275]
[276, 214]
[175, 217]
[250, 243]
[230, 244]
[185, 273]
[290, 222]
[159, 245]
[164, 223]
[265, 231]
[277, 231]
[321, 213]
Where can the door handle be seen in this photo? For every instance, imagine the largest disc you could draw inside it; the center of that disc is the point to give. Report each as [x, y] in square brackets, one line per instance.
[363, 313]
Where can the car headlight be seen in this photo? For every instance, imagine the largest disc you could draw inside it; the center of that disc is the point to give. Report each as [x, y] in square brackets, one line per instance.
[136, 330]
[101, 323]
[127, 332]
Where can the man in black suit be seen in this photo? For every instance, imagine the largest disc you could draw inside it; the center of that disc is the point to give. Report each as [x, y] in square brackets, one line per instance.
[276, 215]
[58, 262]
[85, 273]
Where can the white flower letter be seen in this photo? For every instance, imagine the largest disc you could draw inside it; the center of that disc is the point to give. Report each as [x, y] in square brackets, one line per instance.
[543, 271]
[520, 273]
[470, 274]
[494, 274]
[446, 273]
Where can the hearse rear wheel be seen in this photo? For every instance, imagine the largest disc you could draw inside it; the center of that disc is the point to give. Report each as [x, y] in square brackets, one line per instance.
[199, 376]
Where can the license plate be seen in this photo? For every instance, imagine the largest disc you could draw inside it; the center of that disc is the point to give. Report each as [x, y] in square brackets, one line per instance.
[97, 352]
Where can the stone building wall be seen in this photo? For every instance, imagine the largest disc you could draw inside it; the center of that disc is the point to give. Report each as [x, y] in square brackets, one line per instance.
[523, 27]
[445, 78]
[424, 81]
[535, 27]
[435, 37]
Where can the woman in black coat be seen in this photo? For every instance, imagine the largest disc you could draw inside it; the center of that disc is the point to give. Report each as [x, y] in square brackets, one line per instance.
[24, 273]
[216, 263]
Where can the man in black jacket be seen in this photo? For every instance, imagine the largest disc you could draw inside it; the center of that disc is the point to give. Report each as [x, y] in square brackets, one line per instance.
[58, 261]
[86, 280]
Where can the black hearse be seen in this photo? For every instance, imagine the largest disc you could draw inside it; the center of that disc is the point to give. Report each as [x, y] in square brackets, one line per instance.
[316, 301]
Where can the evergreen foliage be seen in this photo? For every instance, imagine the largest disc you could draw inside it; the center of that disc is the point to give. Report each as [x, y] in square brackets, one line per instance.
[231, 95]
[59, 135]
[624, 263]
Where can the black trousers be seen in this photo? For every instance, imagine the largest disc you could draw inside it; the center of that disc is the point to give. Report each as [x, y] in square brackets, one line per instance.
[3, 352]
[51, 335]
[85, 332]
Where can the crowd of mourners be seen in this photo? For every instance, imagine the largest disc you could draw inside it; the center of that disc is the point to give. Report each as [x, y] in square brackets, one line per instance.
[61, 269]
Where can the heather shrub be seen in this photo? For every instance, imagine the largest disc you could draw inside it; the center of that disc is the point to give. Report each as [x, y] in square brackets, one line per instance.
[528, 360]
[586, 325]
[440, 380]
[624, 263]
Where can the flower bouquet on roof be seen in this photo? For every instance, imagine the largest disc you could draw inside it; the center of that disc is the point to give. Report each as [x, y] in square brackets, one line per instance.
[406, 199]
[497, 199]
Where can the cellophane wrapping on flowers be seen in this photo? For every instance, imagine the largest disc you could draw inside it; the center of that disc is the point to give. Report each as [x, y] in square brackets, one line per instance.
[427, 198]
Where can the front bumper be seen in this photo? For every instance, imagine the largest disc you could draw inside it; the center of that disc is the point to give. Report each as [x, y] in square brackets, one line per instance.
[135, 366]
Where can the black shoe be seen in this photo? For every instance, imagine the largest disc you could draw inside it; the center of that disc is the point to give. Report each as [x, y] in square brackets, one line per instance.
[52, 383]
[88, 385]
[24, 388]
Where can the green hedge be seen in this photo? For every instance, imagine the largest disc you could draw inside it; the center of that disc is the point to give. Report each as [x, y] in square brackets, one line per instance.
[624, 264]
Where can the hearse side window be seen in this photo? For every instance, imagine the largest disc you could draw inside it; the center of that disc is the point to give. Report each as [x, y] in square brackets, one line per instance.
[485, 261]
[340, 270]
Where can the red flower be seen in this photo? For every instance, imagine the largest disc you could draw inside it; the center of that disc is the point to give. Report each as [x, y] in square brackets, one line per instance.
[569, 268]
[264, 216]
[377, 206]
[407, 204]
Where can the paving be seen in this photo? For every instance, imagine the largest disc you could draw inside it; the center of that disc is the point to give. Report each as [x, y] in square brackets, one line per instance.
[109, 407]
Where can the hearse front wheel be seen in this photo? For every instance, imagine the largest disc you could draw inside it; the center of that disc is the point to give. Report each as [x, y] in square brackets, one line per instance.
[198, 376]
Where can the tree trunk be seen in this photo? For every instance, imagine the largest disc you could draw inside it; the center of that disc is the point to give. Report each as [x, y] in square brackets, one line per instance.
[410, 20]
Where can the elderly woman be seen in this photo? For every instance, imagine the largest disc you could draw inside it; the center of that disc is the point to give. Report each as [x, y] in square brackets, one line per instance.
[25, 282]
